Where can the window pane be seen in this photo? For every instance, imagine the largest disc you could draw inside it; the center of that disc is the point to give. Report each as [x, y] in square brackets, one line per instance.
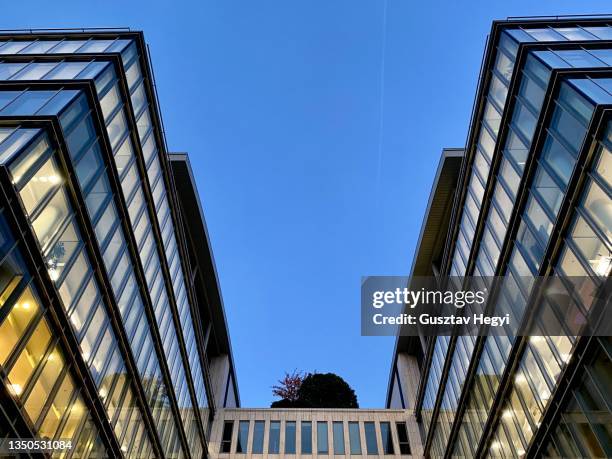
[568, 128]
[28, 103]
[110, 101]
[81, 136]
[117, 128]
[44, 384]
[17, 320]
[402, 436]
[538, 218]
[7, 69]
[143, 124]
[558, 158]
[226, 440]
[354, 437]
[338, 427]
[604, 165]
[61, 252]
[58, 408]
[599, 206]
[274, 438]
[591, 247]
[44, 180]
[370, 435]
[290, 437]
[387, 438]
[29, 357]
[243, 437]
[66, 71]
[306, 437]
[548, 190]
[75, 418]
[322, 442]
[84, 306]
[35, 71]
[97, 196]
[258, 437]
[51, 218]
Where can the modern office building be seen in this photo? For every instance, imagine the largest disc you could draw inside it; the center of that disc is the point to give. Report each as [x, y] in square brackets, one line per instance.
[529, 195]
[112, 330]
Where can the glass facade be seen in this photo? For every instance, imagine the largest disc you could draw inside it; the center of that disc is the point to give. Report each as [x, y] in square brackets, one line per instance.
[518, 85]
[583, 256]
[129, 266]
[40, 183]
[33, 361]
[584, 427]
[166, 280]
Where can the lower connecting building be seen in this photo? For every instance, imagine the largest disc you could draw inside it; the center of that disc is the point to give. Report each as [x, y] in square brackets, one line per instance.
[113, 339]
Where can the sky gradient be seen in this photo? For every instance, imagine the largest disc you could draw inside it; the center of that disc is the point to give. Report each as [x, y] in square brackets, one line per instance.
[308, 176]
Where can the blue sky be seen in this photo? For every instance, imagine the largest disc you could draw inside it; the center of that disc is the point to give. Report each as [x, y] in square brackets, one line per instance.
[278, 104]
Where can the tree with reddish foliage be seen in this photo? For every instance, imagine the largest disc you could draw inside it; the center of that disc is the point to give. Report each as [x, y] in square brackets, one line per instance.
[288, 388]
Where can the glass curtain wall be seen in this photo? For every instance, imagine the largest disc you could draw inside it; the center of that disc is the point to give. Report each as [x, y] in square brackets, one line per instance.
[41, 185]
[567, 129]
[528, 104]
[584, 425]
[32, 361]
[140, 104]
[585, 255]
[500, 76]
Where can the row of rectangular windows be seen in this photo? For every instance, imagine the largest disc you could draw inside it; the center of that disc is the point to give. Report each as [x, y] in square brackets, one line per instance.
[306, 437]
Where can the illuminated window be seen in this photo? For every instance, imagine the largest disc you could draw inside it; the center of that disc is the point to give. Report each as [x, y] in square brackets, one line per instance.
[16, 322]
[29, 358]
[41, 391]
[57, 409]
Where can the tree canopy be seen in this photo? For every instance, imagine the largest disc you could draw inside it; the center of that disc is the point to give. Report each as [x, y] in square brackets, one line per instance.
[315, 390]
